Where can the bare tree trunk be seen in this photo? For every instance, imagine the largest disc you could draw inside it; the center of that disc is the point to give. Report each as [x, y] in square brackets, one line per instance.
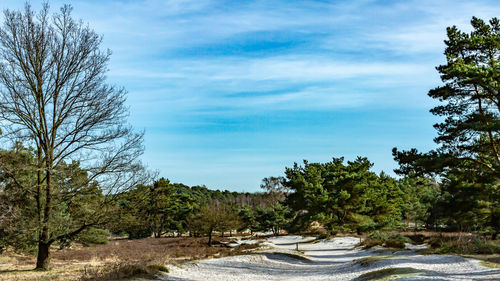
[43, 258]
[210, 238]
[39, 190]
[54, 96]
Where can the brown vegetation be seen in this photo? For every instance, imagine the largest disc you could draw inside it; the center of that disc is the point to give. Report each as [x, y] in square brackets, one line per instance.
[116, 260]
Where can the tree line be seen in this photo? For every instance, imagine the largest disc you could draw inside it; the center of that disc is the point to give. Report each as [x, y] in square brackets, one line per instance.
[69, 168]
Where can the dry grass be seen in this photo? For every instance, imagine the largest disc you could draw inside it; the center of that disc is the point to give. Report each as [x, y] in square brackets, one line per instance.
[119, 271]
[464, 245]
[148, 249]
[490, 262]
[421, 237]
[116, 260]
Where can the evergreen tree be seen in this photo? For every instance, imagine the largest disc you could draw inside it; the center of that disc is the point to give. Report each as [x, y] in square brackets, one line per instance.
[468, 157]
[342, 197]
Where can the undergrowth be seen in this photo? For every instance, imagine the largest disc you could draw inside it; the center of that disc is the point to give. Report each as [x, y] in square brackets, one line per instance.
[388, 240]
[119, 271]
[389, 274]
[465, 245]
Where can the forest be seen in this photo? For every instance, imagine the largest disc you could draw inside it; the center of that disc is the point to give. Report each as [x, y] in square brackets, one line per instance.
[70, 170]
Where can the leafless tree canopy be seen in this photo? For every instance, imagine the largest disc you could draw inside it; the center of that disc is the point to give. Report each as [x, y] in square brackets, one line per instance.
[54, 98]
[53, 95]
[275, 188]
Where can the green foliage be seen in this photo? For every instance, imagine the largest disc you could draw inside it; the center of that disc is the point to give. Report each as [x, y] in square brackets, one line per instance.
[18, 225]
[76, 201]
[343, 197]
[421, 196]
[248, 219]
[468, 157]
[139, 233]
[385, 239]
[465, 245]
[214, 216]
[153, 209]
[273, 219]
[92, 236]
[389, 274]
[166, 207]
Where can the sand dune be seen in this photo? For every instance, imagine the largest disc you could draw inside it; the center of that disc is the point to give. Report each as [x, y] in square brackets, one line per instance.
[334, 259]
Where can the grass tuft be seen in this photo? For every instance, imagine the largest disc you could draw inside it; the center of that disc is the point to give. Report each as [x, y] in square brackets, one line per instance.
[293, 256]
[367, 261]
[490, 264]
[389, 274]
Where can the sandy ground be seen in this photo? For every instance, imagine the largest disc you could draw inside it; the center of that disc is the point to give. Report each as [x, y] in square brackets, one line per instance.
[334, 259]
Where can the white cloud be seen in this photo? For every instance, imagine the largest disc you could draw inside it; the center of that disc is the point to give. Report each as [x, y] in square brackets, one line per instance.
[354, 55]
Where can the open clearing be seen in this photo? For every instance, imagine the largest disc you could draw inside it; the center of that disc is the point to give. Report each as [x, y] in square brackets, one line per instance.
[334, 259]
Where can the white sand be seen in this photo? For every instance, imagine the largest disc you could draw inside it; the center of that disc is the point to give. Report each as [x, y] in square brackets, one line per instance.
[327, 260]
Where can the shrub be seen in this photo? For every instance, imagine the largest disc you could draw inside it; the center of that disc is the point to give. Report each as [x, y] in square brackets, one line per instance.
[370, 243]
[139, 233]
[394, 243]
[324, 236]
[93, 236]
[464, 245]
[389, 274]
[385, 239]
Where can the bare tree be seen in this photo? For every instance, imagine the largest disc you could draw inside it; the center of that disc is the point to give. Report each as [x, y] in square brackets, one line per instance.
[275, 188]
[54, 98]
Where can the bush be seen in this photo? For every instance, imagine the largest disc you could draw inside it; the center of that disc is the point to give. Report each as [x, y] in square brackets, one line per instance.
[138, 233]
[93, 236]
[324, 236]
[464, 245]
[370, 243]
[385, 239]
[394, 243]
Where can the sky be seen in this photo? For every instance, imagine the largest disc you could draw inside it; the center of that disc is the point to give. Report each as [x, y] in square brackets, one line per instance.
[230, 92]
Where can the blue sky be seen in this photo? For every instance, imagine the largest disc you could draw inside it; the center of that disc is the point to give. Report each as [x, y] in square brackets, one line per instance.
[229, 92]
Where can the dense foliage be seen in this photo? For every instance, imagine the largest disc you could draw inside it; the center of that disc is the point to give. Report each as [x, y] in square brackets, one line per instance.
[467, 161]
[343, 197]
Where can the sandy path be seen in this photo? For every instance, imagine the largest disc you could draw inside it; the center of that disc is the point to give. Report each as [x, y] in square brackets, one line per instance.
[329, 260]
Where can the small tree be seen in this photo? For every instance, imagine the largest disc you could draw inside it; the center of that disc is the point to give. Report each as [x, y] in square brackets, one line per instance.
[248, 219]
[214, 216]
[54, 98]
[274, 218]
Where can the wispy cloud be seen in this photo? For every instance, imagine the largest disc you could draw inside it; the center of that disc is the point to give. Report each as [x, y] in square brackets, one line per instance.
[218, 82]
